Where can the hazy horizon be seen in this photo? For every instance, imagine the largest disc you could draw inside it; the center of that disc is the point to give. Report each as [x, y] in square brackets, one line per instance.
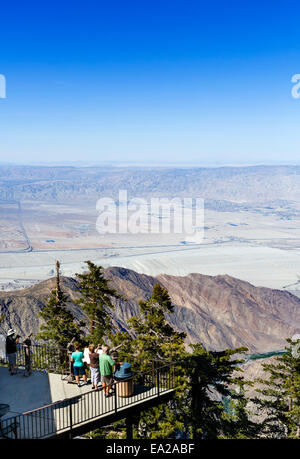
[156, 164]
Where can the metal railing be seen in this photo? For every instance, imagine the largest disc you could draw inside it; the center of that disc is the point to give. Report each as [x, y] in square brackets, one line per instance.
[63, 416]
[57, 360]
[42, 357]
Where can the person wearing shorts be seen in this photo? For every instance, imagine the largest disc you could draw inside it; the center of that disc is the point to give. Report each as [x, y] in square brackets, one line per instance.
[106, 364]
[11, 350]
[78, 365]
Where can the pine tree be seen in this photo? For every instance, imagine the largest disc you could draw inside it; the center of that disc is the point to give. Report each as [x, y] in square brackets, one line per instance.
[211, 377]
[205, 378]
[241, 424]
[60, 324]
[96, 302]
[155, 339]
[279, 399]
[152, 342]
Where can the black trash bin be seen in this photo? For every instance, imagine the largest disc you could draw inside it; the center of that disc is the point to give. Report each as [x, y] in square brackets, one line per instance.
[124, 377]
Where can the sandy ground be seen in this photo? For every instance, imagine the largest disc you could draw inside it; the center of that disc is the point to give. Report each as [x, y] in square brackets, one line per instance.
[261, 266]
[261, 247]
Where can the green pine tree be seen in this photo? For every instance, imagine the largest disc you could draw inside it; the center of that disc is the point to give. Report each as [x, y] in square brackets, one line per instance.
[211, 376]
[204, 379]
[155, 339]
[152, 342]
[239, 419]
[279, 399]
[96, 302]
[60, 325]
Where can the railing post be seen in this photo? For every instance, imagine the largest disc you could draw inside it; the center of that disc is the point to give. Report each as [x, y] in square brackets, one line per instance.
[71, 418]
[153, 372]
[157, 381]
[15, 428]
[116, 398]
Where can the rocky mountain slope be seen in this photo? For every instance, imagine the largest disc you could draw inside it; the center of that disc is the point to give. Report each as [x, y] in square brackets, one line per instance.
[219, 311]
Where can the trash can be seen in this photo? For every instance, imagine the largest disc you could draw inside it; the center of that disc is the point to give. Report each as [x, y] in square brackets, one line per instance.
[124, 376]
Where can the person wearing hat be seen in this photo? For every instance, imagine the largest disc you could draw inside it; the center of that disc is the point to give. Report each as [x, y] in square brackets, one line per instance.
[11, 350]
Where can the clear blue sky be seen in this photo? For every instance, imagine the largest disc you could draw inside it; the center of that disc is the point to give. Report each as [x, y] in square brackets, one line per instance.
[149, 81]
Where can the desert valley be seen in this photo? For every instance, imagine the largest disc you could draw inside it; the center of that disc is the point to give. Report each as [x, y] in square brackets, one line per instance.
[251, 223]
[250, 247]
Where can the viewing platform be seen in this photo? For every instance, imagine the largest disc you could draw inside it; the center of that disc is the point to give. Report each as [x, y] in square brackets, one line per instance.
[45, 405]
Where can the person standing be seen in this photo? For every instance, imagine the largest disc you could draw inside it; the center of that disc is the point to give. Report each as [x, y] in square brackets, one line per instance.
[27, 352]
[94, 366]
[70, 350]
[11, 350]
[99, 348]
[106, 364]
[78, 364]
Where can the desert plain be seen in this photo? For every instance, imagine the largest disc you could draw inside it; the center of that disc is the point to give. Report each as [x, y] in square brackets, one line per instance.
[260, 245]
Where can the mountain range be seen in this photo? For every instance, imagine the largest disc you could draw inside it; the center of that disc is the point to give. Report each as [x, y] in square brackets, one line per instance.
[219, 311]
[235, 184]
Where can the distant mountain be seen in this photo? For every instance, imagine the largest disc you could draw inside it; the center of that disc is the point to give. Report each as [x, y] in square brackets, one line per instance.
[219, 311]
[252, 184]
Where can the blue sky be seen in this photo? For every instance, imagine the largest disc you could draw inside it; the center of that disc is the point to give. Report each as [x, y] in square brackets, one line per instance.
[206, 82]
